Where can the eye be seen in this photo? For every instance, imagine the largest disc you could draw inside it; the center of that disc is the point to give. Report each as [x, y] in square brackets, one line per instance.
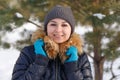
[52, 24]
[64, 25]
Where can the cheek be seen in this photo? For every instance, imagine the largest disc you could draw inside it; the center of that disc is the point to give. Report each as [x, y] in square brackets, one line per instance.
[68, 32]
[49, 31]
[68, 35]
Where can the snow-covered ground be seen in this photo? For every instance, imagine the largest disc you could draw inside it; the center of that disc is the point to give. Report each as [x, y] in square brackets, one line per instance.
[8, 57]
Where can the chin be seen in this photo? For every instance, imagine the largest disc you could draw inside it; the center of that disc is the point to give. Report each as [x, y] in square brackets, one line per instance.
[59, 41]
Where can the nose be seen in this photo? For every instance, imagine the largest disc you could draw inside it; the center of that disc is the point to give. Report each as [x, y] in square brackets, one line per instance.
[58, 28]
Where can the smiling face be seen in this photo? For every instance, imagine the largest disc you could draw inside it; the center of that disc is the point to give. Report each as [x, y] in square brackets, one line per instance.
[58, 30]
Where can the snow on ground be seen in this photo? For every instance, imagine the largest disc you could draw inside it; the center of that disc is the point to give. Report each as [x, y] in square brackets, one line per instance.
[116, 69]
[8, 58]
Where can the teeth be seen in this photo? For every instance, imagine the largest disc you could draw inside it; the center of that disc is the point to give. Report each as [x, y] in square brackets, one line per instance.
[57, 35]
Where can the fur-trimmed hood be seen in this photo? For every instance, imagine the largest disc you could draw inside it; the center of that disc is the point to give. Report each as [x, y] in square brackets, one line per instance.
[53, 49]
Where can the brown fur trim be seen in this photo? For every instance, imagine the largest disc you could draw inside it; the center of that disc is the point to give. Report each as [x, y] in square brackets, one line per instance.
[73, 41]
[53, 49]
[38, 34]
[50, 47]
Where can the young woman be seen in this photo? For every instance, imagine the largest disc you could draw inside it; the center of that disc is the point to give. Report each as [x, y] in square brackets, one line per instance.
[36, 63]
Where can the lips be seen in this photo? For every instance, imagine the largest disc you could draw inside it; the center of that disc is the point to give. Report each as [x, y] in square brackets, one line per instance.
[58, 36]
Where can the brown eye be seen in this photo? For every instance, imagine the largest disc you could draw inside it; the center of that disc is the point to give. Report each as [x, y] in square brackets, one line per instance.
[52, 24]
[64, 25]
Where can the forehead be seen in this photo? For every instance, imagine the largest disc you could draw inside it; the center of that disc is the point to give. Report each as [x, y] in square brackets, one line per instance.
[58, 20]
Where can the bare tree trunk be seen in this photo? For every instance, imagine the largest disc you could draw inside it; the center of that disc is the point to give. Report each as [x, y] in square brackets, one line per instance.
[98, 58]
[98, 65]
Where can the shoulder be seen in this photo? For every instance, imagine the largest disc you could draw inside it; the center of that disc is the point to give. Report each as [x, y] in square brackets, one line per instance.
[83, 59]
[28, 49]
[83, 55]
[28, 52]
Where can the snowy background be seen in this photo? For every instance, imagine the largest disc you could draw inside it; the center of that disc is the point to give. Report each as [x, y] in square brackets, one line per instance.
[9, 56]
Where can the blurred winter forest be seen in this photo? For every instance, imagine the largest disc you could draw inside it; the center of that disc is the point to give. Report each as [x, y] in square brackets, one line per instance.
[102, 16]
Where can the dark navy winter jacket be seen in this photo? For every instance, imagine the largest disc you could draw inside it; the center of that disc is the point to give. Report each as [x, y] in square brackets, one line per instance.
[30, 66]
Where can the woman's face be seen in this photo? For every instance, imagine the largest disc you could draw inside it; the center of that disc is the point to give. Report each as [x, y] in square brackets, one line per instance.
[58, 30]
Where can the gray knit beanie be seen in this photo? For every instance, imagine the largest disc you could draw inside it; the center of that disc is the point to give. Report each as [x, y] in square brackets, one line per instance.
[60, 12]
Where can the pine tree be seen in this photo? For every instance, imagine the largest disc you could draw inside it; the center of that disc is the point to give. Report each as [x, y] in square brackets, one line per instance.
[85, 12]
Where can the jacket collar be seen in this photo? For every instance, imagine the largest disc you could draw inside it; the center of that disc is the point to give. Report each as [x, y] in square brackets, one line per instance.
[53, 49]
